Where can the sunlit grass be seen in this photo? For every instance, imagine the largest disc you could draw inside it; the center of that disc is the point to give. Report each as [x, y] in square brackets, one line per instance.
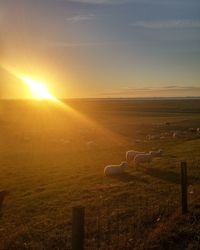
[39, 91]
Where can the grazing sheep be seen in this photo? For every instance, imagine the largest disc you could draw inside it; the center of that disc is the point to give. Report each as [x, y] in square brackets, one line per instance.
[153, 137]
[157, 153]
[192, 130]
[91, 144]
[130, 155]
[176, 134]
[115, 169]
[142, 158]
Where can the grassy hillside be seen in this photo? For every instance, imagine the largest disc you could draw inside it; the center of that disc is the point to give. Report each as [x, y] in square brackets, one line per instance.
[178, 232]
[52, 159]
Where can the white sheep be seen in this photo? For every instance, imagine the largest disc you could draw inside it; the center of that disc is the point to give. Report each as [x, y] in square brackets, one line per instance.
[153, 137]
[142, 158]
[157, 153]
[115, 169]
[176, 134]
[91, 144]
[130, 155]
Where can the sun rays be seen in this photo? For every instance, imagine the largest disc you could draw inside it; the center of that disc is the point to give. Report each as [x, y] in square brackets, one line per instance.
[39, 91]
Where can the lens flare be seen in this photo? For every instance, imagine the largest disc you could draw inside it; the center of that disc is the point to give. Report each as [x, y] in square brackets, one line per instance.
[38, 90]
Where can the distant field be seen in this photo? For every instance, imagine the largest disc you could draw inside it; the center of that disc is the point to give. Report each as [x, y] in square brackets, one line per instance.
[52, 158]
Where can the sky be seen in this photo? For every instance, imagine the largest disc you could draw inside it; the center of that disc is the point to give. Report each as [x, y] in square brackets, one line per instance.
[101, 48]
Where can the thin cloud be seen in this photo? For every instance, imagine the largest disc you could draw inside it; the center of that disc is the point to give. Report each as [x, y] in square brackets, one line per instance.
[156, 91]
[81, 44]
[113, 2]
[136, 89]
[175, 87]
[102, 1]
[167, 24]
[119, 2]
[81, 18]
[171, 87]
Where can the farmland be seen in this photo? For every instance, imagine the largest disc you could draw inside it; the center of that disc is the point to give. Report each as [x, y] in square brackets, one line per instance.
[52, 159]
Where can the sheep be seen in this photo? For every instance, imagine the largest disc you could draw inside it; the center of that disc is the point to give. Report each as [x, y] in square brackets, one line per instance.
[192, 130]
[153, 137]
[115, 169]
[176, 134]
[157, 153]
[91, 144]
[142, 158]
[130, 155]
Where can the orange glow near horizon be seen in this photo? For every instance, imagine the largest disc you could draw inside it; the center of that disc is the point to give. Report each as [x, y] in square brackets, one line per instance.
[38, 89]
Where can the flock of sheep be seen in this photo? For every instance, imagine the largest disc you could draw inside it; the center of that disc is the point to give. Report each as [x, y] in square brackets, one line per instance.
[133, 158]
[174, 134]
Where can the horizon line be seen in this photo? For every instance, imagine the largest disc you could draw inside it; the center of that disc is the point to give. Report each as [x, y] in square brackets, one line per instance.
[101, 98]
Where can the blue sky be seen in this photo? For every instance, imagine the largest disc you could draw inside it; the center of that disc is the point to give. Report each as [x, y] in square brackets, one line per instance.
[101, 48]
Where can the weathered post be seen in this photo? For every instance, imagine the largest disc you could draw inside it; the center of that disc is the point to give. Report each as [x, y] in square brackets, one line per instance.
[3, 195]
[184, 196]
[78, 214]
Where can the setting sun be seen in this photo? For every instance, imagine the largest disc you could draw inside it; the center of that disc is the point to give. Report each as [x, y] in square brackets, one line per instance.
[38, 89]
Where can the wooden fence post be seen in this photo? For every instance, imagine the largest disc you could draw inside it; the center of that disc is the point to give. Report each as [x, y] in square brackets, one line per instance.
[184, 196]
[78, 214]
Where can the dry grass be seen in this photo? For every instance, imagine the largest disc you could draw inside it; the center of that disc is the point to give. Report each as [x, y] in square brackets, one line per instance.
[48, 166]
[178, 232]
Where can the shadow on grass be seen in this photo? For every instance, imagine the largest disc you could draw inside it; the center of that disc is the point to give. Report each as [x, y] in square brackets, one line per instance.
[169, 176]
[165, 175]
[127, 177]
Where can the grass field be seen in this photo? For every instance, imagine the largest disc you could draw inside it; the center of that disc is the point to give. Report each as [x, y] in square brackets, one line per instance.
[52, 159]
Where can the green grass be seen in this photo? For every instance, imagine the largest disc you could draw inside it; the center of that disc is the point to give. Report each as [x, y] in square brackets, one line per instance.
[47, 167]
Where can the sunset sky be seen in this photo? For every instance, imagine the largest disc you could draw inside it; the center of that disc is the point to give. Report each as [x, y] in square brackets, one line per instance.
[101, 48]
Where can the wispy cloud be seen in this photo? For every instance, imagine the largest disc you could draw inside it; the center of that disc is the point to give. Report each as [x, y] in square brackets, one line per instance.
[63, 44]
[167, 91]
[116, 2]
[102, 1]
[80, 18]
[176, 87]
[167, 24]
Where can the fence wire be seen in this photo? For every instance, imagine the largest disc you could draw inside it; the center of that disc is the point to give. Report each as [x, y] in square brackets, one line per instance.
[117, 224]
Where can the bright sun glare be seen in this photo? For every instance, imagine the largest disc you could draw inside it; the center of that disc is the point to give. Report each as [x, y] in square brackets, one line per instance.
[38, 90]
